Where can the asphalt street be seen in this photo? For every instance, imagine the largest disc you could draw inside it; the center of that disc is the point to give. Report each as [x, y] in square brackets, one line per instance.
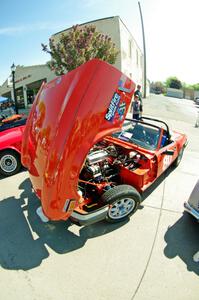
[146, 257]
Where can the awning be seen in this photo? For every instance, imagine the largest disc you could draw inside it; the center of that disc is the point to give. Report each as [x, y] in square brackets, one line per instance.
[3, 99]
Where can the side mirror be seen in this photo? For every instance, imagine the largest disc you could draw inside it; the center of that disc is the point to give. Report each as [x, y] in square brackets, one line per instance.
[168, 152]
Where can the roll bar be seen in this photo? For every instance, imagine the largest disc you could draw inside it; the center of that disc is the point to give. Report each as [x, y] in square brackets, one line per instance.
[152, 119]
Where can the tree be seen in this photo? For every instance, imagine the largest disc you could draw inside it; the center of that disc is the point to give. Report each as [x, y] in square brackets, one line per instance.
[78, 45]
[195, 86]
[173, 82]
[157, 87]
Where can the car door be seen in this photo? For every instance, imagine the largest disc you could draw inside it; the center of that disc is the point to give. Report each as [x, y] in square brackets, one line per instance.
[166, 156]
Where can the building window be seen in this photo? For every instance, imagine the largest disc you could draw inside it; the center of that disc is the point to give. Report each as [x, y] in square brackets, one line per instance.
[130, 48]
[137, 58]
[141, 61]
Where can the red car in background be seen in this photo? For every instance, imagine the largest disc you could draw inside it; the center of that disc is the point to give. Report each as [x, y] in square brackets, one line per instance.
[11, 130]
[86, 162]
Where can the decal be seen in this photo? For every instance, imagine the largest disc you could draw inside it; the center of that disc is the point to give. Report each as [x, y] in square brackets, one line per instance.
[166, 161]
[121, 110]
[112, 107]
[59, 79]
[69, 205]
[123, 84]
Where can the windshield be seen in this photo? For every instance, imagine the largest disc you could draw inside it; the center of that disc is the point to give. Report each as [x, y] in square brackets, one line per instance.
[140, 134]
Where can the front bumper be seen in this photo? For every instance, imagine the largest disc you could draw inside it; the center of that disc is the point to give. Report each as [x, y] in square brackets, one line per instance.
[191, 210]
[89, 218]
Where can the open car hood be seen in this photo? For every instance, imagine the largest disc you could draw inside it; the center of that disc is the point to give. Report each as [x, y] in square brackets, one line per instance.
[69, 115]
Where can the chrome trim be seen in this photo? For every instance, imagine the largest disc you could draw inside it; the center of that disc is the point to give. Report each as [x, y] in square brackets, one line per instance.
[41, 214]
[191, 210]
[89, 218]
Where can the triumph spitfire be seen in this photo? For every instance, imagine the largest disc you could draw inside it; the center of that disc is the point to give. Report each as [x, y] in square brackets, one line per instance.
[86, 161]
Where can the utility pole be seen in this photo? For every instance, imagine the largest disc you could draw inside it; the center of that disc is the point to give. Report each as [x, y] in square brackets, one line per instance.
[144, 49]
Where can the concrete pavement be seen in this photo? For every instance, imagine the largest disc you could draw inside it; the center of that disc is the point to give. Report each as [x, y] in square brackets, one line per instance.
[148, 257]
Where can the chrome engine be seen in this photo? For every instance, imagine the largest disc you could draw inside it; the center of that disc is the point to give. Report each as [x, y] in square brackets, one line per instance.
[104, 161]
[96, 157]
[96, 165]
[103, 166]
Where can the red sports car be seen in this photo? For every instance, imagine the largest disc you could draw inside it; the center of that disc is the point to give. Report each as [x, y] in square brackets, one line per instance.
[86, 162]
[11, 130]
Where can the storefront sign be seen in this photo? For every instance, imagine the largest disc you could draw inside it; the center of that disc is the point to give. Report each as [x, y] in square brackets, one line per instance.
[23, 78]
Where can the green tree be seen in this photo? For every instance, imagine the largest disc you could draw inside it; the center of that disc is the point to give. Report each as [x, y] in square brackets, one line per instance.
[173, 82]
[157, 87]
[78, 45]
[195, 86]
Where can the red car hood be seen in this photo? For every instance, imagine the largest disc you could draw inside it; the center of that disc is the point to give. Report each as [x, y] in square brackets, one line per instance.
[70, 114]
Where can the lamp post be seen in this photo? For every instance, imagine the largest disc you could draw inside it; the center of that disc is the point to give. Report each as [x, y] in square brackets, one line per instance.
[13, 69]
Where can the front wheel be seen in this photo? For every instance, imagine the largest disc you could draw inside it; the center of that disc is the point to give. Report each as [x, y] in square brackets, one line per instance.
[123, 201]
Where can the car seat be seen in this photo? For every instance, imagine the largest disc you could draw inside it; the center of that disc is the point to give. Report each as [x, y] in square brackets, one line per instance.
[164, 140]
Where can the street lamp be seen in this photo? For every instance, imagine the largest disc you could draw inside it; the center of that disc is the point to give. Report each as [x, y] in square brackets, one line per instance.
[13, 69]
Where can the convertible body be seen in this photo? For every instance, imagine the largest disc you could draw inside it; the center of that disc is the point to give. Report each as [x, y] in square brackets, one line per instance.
[83, 164]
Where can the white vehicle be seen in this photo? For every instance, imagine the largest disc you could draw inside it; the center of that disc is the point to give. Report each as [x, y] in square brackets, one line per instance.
[192, 205]
[197, 100]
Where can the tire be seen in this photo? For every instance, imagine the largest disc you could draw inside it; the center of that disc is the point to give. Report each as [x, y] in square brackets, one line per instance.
[10, 162]
[124, 201]
[179, 158]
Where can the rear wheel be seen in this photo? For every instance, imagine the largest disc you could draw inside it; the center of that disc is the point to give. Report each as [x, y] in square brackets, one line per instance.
[10, 162]
[123, 200]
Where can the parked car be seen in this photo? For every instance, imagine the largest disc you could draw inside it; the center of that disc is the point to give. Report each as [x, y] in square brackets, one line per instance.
[192, 205]
[157, 92]
[197, 100]
[83, 164]
[11, 130]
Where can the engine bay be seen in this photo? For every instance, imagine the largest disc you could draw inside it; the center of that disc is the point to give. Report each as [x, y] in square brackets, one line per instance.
[104, 168]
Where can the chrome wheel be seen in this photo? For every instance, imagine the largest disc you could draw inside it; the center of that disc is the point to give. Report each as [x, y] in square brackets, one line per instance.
[121, 208]
[123, 201]
[8, 163]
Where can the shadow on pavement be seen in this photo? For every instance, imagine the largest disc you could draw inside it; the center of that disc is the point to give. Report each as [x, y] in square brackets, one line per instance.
[183, 240]
[23, 235]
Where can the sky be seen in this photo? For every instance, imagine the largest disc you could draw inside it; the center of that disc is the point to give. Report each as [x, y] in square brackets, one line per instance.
[171, 31]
